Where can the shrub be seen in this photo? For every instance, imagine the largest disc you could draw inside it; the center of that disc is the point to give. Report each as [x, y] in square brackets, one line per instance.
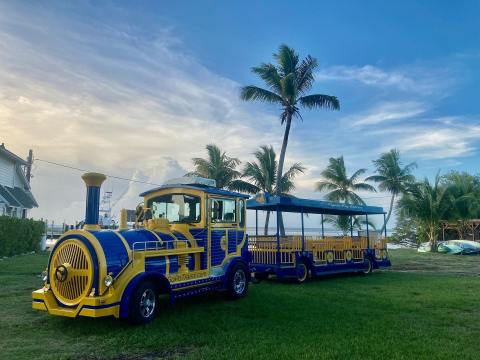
[18, 236]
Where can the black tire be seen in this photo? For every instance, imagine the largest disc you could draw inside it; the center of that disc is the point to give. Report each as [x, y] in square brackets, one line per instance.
[237, 285]
[144, 303]
[301, 271]
[369, 268]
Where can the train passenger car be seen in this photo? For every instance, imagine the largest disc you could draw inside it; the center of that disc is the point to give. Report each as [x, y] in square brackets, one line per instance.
[301, 256]
[191, 239]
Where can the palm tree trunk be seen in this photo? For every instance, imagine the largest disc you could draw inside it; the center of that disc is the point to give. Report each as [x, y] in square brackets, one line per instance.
[267, 220]
[281, 160]
[388, 215]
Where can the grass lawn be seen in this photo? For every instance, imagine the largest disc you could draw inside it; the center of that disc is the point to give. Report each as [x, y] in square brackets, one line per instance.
[426, 307]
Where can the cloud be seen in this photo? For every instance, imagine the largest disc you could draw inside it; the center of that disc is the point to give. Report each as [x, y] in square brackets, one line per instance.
[423, 79]
[388, 112]
[443, 138]
[442, 143]
[105, 96]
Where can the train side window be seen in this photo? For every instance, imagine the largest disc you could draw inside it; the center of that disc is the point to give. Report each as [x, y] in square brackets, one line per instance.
[241, 212]
[223, 211]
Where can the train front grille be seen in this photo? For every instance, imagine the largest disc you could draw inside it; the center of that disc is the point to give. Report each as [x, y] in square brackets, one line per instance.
[71, 272]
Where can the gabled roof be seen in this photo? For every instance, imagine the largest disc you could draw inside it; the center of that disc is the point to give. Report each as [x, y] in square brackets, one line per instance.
[207, 189]
[9, 155]
[297, 205]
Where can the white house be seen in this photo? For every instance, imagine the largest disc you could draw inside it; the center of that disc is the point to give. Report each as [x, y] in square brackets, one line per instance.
[15, 195]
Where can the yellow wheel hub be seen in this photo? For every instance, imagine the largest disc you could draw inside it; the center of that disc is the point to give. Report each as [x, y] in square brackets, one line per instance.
[71, 272]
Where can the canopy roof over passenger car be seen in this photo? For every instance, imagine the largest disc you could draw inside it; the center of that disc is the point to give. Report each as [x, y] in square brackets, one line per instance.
[298, 205]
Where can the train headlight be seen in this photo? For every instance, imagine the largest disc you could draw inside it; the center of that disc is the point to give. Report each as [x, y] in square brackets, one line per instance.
[108, 281]
[44, 275]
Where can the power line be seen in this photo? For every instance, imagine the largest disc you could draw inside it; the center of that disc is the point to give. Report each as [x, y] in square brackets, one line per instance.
[108, 175]
[149, 183]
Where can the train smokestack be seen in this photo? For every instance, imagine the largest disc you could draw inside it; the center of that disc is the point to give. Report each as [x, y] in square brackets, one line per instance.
[93, 181]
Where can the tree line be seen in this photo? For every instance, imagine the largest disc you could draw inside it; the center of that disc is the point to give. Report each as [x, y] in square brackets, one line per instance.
[421, 205]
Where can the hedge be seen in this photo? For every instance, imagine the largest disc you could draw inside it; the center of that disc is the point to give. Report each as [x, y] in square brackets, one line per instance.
[18, 236]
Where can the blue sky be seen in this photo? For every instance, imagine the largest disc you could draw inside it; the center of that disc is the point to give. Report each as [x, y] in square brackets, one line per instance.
[137, 89]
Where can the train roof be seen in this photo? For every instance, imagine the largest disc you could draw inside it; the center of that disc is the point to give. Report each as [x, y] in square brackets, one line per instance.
[298, 205]
[204, 188]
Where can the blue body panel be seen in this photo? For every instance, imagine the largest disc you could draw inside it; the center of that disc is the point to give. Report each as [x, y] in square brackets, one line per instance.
[201, 237]
[137, 235]
[157, 263]
[217, 253]
[114, 249]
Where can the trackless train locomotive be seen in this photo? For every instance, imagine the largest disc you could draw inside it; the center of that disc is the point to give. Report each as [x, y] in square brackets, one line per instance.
[190, 238]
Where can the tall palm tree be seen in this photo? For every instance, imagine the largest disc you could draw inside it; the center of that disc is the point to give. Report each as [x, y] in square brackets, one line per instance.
[217, 166]
[340, 186]
[261, 175]
[427, 203]
[392, 177]
[288, 83]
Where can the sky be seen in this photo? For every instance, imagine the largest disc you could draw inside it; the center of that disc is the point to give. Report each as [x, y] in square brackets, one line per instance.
[137, 89]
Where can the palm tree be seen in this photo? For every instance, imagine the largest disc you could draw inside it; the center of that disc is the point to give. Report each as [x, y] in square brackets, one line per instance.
[345, 222]
[341, 187]
[217, 166]
[392, 177]
[287, 85]
[261, 175]
[428, 204]
[463, 198]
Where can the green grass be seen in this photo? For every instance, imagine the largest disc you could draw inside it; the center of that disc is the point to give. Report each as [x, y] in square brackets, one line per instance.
[426, 307]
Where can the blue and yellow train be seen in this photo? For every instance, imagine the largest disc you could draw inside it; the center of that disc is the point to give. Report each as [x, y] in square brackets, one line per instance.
[190, 238]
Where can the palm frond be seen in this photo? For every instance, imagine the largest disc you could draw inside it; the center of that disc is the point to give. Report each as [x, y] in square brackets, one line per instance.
[287, 60]
[305, 76]
[243, 186]
[363, 187]
[318, 101]
[356, 174]
[251, 92]
[269, 74]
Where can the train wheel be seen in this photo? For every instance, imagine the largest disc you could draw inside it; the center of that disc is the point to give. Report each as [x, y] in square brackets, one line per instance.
[144, 303]
[369, 268]
[302, 271]
[237, 282]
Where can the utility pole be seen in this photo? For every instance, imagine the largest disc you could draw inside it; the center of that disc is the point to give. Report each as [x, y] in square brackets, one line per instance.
[29, 165]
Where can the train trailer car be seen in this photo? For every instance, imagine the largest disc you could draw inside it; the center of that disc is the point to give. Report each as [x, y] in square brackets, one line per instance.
[190, 238]
[301, 256]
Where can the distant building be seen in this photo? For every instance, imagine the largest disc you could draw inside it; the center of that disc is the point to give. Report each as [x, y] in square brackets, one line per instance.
[15, 195]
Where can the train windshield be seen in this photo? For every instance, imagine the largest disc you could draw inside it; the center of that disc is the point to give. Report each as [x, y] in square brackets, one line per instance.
[176, 208]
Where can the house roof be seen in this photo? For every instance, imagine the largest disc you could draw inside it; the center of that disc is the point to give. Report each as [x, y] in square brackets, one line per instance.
[207, 189]
[297, 205]
[4, 193]
[18, 197]
[10, 155]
